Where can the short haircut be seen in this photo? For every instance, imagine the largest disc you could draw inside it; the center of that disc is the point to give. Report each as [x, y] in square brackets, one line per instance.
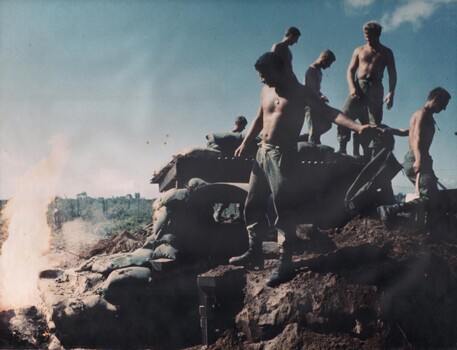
[293, 31]
[268, 61]
[440, 93]
[328, 54]
[372, 27]
[241, 119]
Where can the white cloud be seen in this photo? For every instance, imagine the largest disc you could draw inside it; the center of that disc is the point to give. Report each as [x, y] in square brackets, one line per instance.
[413, 12]
[358, 3]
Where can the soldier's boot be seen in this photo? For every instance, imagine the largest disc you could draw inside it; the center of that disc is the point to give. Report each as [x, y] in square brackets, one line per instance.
[284, 271]
[388, 212]
[253, 258]
[342, 149]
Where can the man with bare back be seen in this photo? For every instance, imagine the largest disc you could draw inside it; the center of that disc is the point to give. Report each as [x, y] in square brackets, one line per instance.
[280, 118]
[418, 163]
[364, 77]
[313, 78]
[283, 50]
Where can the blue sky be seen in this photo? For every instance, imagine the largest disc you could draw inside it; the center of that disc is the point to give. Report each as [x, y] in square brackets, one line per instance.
[128, 84]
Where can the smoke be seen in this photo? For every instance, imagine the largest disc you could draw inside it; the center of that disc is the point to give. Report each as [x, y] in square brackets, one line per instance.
[23, 254]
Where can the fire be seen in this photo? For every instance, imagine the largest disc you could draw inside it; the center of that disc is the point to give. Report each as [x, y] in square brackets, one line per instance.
[23, 254]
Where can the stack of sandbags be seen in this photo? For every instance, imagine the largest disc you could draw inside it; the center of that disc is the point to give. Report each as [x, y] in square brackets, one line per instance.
[228, 142]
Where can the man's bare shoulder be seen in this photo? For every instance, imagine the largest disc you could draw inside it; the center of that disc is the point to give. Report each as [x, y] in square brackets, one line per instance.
[265, 89]
[267, 92]
[384, 47]
[360, 49]
[386, 51]
[311, 71]
[418, 116]
[278, 47]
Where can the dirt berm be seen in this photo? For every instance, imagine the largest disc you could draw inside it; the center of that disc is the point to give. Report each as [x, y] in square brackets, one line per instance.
[359, 287]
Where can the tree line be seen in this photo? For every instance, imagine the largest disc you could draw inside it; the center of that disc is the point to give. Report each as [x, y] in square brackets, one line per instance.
[125, 213]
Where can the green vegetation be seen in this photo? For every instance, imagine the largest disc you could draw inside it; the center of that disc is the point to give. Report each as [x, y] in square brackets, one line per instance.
[108, 215]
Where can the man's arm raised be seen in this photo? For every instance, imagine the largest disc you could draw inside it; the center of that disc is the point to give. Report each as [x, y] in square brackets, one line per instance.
[335, 115]
[343, 120]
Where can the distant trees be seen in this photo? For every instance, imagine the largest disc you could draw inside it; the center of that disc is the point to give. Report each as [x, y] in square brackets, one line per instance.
[116, 213]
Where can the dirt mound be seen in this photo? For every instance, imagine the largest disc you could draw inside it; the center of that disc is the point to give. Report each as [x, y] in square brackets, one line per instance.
[379, 288]
[121, 242]
[361, 286]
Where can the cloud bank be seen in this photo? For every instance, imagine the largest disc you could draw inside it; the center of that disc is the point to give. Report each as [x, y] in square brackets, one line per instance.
[413, 12]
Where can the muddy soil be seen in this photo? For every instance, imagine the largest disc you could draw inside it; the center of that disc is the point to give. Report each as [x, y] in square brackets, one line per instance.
[377, 288]
[361, 286]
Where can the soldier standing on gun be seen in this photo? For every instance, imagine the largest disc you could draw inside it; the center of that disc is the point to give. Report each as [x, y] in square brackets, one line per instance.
[364, 77]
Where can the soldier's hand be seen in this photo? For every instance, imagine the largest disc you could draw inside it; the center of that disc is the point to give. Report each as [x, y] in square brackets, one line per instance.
[239, 151]
[353, 94]
[389, 100]
[416, 166]
[368, 128]
[403, 132]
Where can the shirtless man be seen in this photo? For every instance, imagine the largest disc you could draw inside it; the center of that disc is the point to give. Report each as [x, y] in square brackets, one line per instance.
[318, 126]
[280, 118]
[364, 77]
[283, 50]
[418, 160]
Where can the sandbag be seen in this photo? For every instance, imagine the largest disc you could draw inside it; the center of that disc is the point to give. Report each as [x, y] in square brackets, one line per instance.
[160, 220]
[124, 283]
[170, 197]
[165, 251]
[153, 242]
[226, 142]
[90, 313]
[199, 152]
[311, 151]
[195, 183]
[105, 264]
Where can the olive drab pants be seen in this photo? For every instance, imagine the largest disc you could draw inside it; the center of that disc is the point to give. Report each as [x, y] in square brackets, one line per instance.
[274, 173]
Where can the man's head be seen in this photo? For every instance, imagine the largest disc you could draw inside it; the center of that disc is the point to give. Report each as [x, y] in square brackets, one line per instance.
[292, 35]
[240, 124]
[270, 67]
[326, 58]
[372, 31]
[438, 98]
